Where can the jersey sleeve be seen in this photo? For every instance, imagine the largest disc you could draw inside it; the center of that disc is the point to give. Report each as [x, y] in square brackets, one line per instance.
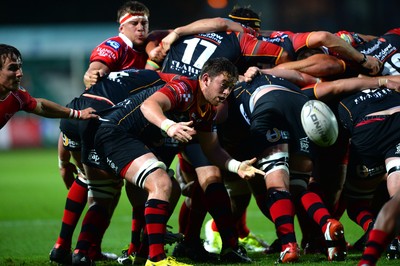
[259, 50]
[28, 102]
[109, 52]
[180, 93]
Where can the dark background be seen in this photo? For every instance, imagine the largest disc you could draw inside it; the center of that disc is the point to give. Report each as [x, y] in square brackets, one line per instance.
[368, 16]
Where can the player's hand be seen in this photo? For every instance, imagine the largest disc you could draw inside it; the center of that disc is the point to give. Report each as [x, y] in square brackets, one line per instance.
[92, 76]
[247, 170]
[182, 131]
[168, 40]
[68, 171]
[373, 64]
[157, 54]
[251, 73]
[88, 113]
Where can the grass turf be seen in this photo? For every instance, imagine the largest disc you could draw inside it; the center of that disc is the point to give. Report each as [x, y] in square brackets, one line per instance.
[32, 198]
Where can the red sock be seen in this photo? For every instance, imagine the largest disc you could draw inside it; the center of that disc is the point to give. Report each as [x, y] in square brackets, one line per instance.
[74, 206]
[377, 242]
[156, 213]
[242, 227]
[282, 213]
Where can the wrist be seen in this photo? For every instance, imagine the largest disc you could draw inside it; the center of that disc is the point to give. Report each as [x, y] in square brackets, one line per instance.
[166, 124]
[382, 82]
[177, 32]
[75, 114]
[364, 60]
[233, 166]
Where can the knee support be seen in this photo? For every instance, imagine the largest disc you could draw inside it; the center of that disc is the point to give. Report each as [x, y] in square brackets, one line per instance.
[276, 161]
[147, 168]
[105, 189]
[393, 166]
[300, 179]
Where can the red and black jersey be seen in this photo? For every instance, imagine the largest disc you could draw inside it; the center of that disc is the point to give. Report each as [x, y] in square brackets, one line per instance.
[188, 55]
[118, 53]
[184, 107]
[14, 102]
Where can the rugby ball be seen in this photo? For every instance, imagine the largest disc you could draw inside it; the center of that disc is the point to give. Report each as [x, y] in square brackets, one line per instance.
[319, 123]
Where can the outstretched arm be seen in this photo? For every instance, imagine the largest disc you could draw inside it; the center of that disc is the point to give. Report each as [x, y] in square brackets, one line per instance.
[201, 26]
[344, 49]
[218, 156]
[51, 109]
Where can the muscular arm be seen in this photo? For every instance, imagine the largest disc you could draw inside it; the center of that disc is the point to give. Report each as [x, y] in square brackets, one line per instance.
[51, 109]
[153, 109]
[328, 90]
[201, 26]
[218, 156]
[318, 65]
[342, 48]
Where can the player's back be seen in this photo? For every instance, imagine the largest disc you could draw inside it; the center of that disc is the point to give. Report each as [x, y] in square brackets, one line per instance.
[188, 55]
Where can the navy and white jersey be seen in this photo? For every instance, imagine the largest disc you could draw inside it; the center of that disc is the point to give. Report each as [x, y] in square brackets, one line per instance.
[188, 54]
[386, 48]
[117, 86]
[244, 91]
[353, 108]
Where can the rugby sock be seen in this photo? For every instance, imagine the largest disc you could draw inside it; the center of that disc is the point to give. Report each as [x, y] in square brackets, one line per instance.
[94, 225]
[377, 242]
[282, 213]
[315, 208]
[74, 206]
[262, 203]
[197, 214]
[156, 214]
[360, 212]
[183, 219]
[219, 206]
[241, 225]
[137, 225]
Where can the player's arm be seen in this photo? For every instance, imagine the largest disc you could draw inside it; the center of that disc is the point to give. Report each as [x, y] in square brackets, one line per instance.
[201, 26]
[294, 76]
[67, 169]
[153, 109]
[218, 156]
[317, 65]
[344, 49]
[329, 89]
[51, 109]
[95, 71]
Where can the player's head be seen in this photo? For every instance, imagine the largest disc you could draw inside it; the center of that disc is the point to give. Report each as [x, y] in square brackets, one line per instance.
[133, 18]
[246, 17]
[9, 52]
[217, 79]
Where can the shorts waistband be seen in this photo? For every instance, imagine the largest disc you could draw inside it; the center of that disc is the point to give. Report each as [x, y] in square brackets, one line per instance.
[371, 119]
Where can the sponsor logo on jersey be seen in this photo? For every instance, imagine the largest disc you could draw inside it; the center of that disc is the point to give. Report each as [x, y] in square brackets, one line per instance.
[115, 45]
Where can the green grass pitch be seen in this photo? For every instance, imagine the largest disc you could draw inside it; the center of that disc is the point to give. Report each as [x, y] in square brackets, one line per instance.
[32, 198]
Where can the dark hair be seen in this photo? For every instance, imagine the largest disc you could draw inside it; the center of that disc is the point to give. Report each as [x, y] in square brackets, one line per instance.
[245, 16]
[220, 65]
[8, 51]
[132, 7]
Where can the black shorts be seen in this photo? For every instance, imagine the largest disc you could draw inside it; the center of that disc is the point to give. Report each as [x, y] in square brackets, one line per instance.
[87, 130]
[70, 134]
[276, 120]
[372, 143]
[117, 148]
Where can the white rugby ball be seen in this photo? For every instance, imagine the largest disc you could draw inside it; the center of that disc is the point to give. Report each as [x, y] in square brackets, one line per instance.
[319, 123]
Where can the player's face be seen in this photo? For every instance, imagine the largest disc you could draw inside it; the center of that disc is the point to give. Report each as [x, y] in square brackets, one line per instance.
[11, 74]
[217, 88]
[136, 30]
